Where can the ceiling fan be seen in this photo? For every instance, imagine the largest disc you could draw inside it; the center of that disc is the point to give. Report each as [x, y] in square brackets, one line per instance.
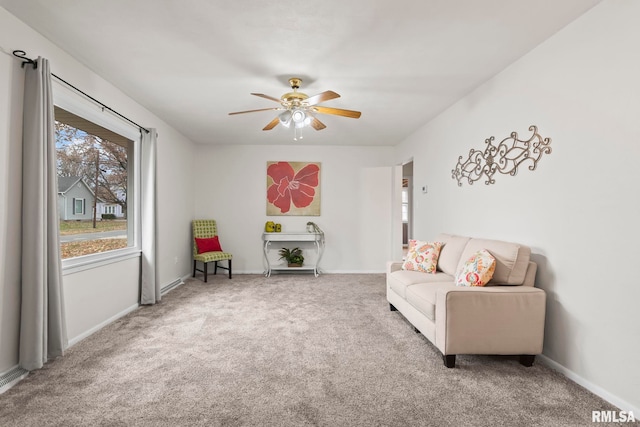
[299, 109]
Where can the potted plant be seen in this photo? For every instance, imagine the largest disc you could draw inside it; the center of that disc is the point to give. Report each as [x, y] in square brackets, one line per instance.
[293, 256]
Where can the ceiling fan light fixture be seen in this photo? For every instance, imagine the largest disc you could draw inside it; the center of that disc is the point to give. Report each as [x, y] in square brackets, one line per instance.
[285, 118]
[298, 116]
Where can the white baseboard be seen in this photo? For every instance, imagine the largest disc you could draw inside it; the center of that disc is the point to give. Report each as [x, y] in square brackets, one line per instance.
[353, 271]
[166, 288]
[597, 390]
[96, 328]
[321, 272]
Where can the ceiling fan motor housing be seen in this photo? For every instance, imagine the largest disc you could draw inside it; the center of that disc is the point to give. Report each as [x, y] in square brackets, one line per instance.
[295, 98]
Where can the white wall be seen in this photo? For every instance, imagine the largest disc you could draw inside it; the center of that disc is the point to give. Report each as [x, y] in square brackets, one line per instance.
[354, 208]
[11, 84]
[579, 210]
[175, 198]
[90, 302]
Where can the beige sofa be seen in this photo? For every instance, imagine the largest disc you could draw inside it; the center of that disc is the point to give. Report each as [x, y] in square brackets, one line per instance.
[505, 317]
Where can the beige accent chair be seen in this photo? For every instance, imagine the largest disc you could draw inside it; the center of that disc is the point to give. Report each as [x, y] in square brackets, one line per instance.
[505, 317]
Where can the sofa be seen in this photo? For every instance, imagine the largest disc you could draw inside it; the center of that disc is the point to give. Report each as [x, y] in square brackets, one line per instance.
[504, 317]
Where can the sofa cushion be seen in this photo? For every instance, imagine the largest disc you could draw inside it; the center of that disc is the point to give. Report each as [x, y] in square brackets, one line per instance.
[512, 259]
[478, 270]
[422, 256]
[400, 279]
[450, 252]
[422, 297]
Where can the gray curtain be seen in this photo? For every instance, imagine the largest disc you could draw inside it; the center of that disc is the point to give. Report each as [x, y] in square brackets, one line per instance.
[149, 284]
[43, 331]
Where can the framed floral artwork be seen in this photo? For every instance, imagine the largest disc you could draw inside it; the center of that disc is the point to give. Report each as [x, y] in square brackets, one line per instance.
[293, 188]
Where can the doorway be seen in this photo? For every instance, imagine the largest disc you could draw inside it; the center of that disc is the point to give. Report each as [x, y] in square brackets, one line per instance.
[407, 205]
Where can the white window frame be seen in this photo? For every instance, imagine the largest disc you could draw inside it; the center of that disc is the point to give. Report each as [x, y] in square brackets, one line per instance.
[75, 103]
[75, 206]
[405, 205]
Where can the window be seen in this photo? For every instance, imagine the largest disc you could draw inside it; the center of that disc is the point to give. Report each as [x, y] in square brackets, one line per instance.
[97, 178]
[405, 204]
[78, 206]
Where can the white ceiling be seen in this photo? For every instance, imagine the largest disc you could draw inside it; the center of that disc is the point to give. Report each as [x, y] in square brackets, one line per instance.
[400, 62]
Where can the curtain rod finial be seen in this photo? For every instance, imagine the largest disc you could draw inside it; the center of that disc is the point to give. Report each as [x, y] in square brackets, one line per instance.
[22, 55]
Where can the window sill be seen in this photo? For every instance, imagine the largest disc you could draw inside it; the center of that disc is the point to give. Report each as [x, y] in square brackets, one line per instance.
[88, 262]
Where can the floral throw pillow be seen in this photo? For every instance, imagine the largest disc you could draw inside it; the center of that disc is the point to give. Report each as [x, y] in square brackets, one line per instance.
[478, 269]
[422, 256]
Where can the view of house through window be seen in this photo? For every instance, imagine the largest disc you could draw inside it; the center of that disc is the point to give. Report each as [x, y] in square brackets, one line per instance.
[92, 186]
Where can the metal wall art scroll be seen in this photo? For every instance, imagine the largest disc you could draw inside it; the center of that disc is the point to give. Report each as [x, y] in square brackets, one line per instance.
[505, 157]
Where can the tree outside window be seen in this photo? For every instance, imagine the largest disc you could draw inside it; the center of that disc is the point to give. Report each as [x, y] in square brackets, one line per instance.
[99, 157]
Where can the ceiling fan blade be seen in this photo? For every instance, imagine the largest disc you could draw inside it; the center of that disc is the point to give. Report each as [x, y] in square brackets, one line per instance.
[262, 95]
[321, 97]
[272, 124]
[317, 124]
[252, 111]
[338, 112]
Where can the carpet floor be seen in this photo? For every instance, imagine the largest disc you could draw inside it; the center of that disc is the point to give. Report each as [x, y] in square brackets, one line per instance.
[289, 350]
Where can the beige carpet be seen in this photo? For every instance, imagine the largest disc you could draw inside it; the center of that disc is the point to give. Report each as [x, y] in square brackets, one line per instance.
[290, 350]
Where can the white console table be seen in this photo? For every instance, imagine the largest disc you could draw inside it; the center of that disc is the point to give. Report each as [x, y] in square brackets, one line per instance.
[299, 237]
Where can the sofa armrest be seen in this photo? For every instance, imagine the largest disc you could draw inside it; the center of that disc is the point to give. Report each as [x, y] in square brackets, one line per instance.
[490, 320]
[393, 266]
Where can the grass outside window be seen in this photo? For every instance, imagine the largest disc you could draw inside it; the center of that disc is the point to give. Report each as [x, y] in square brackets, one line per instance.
[91, 246]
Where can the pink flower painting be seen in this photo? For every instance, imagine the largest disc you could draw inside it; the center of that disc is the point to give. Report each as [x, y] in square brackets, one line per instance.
[293, 188]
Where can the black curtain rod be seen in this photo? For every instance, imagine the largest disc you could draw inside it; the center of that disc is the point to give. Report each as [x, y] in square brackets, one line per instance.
[22, 55]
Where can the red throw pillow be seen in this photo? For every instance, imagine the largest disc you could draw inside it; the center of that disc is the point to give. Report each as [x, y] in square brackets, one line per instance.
[211, 244]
